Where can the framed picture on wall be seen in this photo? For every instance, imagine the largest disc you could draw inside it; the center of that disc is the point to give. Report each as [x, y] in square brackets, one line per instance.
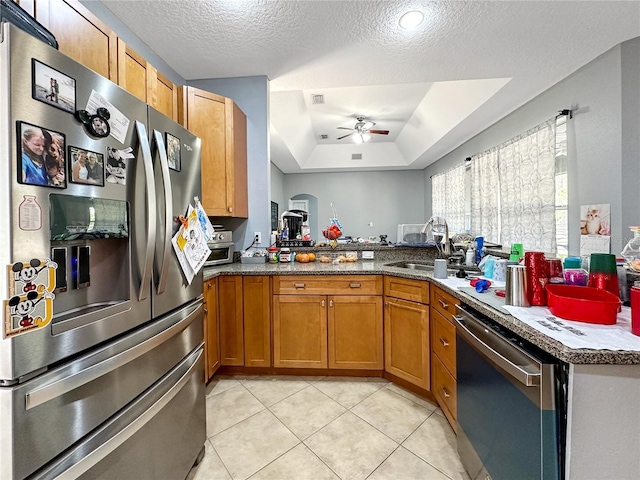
[274, 216]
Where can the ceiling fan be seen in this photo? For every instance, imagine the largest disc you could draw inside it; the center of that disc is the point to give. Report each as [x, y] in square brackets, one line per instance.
[362, 130]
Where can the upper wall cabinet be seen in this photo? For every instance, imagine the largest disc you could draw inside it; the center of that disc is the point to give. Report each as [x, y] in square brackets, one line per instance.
[222, 126]
[140, 78]
[79, 33]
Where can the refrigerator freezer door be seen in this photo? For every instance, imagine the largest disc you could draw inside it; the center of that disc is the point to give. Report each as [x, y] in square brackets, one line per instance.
[114, 302]
[170, 286]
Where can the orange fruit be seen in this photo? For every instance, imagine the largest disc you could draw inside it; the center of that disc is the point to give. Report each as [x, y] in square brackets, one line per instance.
[302, 258]
[312, 257]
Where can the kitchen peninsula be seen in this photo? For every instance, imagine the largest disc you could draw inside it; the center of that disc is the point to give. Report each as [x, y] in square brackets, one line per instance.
[603, 386]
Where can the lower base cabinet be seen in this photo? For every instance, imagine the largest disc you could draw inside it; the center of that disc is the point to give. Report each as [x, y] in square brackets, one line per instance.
[443, 353]
[339, 330]
[406, 337]
[211, 328]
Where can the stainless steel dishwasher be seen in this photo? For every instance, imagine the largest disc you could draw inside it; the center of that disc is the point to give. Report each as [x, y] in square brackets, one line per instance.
[511, 403]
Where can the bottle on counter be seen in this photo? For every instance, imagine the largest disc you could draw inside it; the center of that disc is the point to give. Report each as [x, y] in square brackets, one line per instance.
[285, 255]
[273, 254]
[470, 257]
[634, 293]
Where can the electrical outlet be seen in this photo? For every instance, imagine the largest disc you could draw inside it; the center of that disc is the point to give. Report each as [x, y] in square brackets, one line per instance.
[367, 255]
[257, 237]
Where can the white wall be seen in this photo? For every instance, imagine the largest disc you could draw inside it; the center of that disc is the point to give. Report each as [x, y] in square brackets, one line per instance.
[251, 94]
[384, 198]
[603, 139]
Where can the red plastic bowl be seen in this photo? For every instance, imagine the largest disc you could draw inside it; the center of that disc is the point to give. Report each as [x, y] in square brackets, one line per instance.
[583, 304]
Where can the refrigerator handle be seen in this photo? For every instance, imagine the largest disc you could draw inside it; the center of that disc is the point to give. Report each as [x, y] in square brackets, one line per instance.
[147, 160]
[163, 267]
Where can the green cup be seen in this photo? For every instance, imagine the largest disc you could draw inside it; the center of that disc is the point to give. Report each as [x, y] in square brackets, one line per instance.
[602, 263]
[517, 252]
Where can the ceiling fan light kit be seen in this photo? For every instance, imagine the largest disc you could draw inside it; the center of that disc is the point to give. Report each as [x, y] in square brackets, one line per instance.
[362, 130]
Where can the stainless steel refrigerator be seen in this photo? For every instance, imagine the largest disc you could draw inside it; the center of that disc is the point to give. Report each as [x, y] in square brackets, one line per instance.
[101, 355]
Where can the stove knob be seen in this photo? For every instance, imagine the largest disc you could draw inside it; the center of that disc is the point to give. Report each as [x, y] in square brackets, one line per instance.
[214, 237]
[221, 236]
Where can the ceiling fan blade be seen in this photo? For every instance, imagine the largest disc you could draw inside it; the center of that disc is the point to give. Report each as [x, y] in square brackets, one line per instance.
[380, 132]
[345, 128]
[345, 136]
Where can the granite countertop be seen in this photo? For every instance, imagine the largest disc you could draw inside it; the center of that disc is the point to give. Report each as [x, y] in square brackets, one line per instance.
[379, 267]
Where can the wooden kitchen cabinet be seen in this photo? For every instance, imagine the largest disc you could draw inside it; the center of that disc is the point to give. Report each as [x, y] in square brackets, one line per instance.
[443, 352]
[222, 127]
[80, 34]
[257, 321]
[406, 330]
[355, 332]
[231, 320]
[328, 321]
[141, 79]
[300, 331]
[211, 328]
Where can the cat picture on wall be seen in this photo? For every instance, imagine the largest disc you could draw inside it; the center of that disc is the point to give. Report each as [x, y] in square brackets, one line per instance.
[594, 220]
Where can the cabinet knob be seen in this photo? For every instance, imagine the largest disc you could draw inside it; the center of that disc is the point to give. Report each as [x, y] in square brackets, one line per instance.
[331, 303]
[206, 311]
[355, 285]
[322, 303]
[230, 209]
[445, 393]
[444, 304]
[299, 285]
[444, 342]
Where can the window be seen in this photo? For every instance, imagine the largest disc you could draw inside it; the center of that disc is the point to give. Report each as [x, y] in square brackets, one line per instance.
[516, 191]
[448, 197]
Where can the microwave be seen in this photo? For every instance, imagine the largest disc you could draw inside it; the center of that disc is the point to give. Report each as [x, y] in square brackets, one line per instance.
[221, 246]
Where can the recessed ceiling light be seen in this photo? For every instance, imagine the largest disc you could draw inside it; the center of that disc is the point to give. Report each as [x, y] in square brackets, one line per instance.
[411, 20]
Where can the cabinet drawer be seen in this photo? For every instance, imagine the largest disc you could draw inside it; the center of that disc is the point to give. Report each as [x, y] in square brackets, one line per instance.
[443, 341]
[328, 285]
[444, 303]
[445, 390]
[407, 289]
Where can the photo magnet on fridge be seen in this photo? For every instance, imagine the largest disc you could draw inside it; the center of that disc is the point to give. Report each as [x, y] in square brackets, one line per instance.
[41, 156]
[53, 87]
[116, 166]
[86, 166]
[173, 152]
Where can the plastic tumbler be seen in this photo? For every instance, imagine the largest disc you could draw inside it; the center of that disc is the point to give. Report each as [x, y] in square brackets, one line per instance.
[603, 273]
[635, 308]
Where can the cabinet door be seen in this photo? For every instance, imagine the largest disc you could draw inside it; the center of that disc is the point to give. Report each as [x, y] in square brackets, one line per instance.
[231, 329]
[300, 331]
[164, 94]
[355, 332]
[406, 341]
[205, 118]
[212, 328]
[132, 72]
[257, 325]
[80, 35]
[237, 195]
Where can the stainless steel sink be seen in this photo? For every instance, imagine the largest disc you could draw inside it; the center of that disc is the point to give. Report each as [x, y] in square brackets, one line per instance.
[428, 267]
[412, 265]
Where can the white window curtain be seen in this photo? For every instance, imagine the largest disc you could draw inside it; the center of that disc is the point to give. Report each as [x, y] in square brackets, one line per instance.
[448, 197]
[526, 168]
[485, 196]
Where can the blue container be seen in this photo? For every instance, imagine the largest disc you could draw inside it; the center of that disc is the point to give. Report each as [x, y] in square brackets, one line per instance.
[479, 245]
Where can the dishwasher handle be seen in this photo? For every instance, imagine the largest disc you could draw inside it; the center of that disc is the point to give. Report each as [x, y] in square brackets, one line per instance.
[499, 359]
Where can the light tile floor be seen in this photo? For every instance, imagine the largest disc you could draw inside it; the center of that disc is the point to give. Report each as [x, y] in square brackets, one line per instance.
[315, 428]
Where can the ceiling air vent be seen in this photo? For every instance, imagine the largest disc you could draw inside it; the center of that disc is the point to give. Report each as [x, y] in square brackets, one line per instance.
[316, 99]
[356, 156]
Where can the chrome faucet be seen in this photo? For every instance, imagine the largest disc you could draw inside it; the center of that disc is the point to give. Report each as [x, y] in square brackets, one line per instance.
[439, 224]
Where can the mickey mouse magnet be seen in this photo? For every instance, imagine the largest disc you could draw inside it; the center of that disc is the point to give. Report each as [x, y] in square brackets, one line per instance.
[98, 124]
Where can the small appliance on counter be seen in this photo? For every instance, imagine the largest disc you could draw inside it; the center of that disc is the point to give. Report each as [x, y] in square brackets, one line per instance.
[221, 246]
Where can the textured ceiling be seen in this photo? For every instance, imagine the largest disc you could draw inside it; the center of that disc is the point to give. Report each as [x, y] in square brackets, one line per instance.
[468, 65]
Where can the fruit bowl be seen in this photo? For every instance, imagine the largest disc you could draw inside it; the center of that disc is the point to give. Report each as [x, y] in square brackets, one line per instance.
[582, 304]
